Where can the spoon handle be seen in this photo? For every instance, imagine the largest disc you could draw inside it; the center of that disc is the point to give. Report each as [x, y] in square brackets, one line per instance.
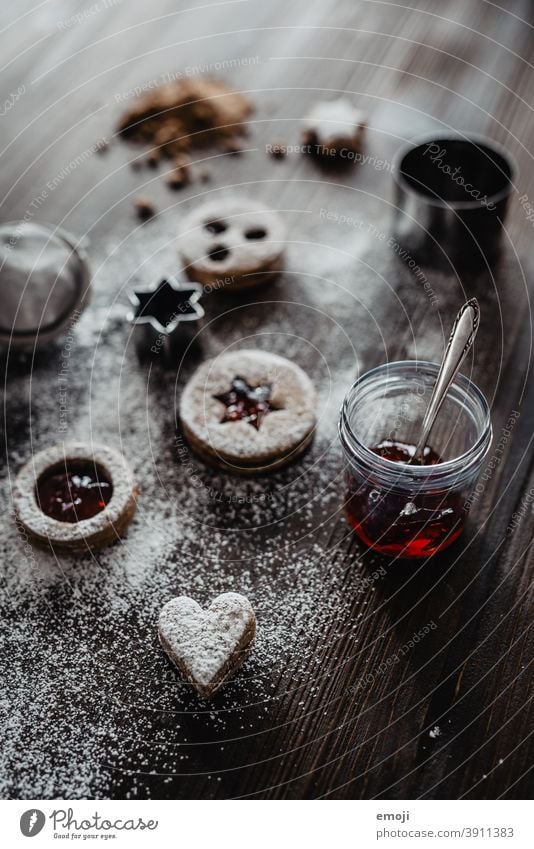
[462, 337]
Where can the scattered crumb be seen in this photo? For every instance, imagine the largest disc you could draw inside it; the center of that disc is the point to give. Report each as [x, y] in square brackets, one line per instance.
[152, 158]
[231, 146]
[436, 732]
[278, 151]
[182, 160]
[144, 208]
[178, 177]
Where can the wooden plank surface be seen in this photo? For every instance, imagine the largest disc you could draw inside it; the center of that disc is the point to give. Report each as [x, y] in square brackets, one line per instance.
[93, 708]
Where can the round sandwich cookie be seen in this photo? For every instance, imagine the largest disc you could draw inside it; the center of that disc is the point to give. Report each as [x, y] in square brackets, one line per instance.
[248, 411]
[75, 496]
[231, 244]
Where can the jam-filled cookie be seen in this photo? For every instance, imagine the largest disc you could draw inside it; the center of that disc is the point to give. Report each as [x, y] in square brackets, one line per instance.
[75, 497]
[232, 244]
[248, 411]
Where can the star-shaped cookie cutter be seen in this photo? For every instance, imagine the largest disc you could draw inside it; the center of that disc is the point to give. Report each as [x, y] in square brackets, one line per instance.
[165, 318]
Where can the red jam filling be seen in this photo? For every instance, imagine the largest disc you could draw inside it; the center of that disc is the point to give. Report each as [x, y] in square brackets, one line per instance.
[402, 452]
[245, 402]
[402, 524]
[73, 491]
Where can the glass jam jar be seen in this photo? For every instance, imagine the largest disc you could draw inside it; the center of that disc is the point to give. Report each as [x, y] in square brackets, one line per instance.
[411, 510]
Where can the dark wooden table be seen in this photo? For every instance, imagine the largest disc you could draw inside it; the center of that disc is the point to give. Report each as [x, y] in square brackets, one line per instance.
[328, 705]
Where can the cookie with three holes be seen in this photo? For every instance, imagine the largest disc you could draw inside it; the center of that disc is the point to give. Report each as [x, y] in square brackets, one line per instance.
[248, 411]
[232, 243]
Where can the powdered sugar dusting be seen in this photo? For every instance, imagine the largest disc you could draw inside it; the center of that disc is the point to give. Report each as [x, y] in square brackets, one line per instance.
[94, 707]
[206, 645]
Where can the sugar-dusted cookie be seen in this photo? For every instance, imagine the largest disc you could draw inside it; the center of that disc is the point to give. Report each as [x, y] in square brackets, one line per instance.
[335, 127]
[248, 411]
[75, 496]
[207, 646]
[232, 243]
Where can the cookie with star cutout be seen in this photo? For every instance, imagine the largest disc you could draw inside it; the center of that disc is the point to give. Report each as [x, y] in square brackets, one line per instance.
[248, 412]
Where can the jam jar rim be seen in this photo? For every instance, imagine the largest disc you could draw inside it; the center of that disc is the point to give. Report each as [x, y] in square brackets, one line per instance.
[456, 468]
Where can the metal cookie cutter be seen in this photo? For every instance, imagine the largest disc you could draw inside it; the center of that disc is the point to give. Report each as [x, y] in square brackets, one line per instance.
[165, 318]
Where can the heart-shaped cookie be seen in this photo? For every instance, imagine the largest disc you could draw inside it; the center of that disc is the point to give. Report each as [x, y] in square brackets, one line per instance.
[207, 646]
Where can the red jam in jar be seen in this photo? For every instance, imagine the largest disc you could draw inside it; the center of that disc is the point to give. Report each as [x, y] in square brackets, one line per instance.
[396, 508]
[388, 522]
[74, 491]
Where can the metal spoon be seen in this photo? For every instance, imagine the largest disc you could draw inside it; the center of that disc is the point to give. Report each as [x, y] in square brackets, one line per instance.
[462, 337]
